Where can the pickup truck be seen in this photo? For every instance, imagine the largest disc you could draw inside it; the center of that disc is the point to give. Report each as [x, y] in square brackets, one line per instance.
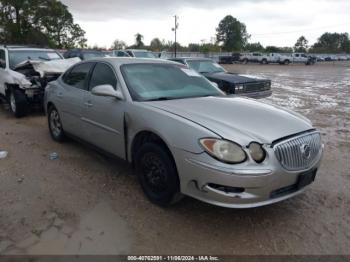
[254, 58]
[277, 58]
[300, 58]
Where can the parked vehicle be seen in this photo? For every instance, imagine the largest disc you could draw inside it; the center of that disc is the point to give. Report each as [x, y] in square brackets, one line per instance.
[231, 84]
[303, 58]
[235, 57]
[84, 54]
[120, 53]
[299, 58]
[183, 135]
[138, 53]
[24, 74]
[254, 58]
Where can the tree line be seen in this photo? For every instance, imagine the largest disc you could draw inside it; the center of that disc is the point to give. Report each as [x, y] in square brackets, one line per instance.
[39, 22]
[232, 36]
[49, 23]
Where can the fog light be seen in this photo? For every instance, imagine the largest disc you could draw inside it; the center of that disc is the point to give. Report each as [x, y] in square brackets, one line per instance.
[227, 189]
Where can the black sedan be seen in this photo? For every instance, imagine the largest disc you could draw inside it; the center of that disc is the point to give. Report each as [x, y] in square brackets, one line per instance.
[230, 83]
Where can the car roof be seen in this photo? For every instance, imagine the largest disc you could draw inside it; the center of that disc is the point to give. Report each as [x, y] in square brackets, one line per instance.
[118, 61]
[24, 48]
[192, 58]
[137, 50]
[85, 50]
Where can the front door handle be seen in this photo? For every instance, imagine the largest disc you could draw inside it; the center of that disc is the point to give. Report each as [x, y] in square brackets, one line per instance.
[88, 104]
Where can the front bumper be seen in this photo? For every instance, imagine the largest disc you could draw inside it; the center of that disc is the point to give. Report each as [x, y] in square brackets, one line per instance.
[34, 95]
[257, 185]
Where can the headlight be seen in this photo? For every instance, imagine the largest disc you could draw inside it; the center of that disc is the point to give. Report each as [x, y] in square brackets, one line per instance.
[224, 150]
[257, 152]
[239, 87]
[268, 85]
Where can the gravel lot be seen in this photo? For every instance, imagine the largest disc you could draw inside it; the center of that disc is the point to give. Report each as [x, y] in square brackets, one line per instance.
[85, 203]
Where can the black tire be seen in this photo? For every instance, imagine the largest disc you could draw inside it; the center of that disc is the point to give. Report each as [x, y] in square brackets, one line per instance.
[18, 103]
[157, 174]
[286, 62]
[55, 124]
[264, 62]
[245, 61]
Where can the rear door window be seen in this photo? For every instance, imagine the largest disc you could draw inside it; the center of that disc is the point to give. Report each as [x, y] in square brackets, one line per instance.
[78, 76]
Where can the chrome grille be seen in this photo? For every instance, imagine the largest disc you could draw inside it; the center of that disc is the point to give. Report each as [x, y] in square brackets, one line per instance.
[256, 86]
[299, 153]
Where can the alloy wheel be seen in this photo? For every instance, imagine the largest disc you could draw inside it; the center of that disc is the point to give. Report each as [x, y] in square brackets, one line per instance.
[55, 123]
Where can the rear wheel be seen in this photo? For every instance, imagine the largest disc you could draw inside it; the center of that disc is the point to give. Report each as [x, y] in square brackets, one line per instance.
[157, 174]
[286, 62]
[18, 103]
[245, 61]
[55, 125]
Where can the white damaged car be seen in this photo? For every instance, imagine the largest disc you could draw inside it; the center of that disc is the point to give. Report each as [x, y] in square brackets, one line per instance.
[25, 72]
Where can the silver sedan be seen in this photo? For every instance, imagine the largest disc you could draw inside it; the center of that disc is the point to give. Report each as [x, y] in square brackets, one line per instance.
[183, 135]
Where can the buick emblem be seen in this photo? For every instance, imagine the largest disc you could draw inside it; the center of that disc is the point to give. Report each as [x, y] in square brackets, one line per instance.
[305, 151]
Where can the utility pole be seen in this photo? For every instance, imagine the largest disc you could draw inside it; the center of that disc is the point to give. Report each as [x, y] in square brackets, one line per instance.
[175, 31]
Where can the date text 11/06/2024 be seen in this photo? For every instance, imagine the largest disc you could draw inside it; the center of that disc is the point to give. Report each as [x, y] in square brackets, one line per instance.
[173, 258]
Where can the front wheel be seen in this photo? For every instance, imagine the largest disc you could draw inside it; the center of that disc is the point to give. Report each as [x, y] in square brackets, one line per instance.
[18, 103]
[157, 174]
[264, 62]
[55, 125]
[286, 62]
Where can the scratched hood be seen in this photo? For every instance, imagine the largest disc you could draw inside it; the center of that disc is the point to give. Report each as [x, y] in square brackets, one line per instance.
[237, 119]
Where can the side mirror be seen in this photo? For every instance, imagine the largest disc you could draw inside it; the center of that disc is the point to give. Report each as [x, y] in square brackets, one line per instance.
[106, 90]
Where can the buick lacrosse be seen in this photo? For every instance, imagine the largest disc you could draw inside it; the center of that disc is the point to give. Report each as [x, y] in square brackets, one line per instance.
[182, 134]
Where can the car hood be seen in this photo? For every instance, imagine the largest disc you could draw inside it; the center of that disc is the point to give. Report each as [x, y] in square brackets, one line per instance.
[237, 119]
[47, 67]
[233, 78]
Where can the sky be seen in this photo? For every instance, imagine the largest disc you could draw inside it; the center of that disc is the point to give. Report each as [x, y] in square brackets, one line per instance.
[270, 22]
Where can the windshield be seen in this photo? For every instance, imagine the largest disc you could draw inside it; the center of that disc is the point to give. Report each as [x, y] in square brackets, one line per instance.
[147, 82]
[92, 55]
[144, 54]
[205, 66]
[18, 56]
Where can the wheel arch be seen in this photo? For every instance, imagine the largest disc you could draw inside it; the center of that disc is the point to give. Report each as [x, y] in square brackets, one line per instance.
[147, 136]
[9, 87]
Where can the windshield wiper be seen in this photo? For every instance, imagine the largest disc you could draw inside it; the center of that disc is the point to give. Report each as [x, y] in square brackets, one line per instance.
[44, 58]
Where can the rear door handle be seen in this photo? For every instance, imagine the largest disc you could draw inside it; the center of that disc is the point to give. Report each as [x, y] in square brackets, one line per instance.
[60, 95]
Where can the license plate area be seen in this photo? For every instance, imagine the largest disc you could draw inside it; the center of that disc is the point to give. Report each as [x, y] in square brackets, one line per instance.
[303, 180]
[306, 179]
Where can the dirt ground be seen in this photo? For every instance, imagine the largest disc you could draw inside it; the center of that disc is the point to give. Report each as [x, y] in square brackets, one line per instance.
[85, 203]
